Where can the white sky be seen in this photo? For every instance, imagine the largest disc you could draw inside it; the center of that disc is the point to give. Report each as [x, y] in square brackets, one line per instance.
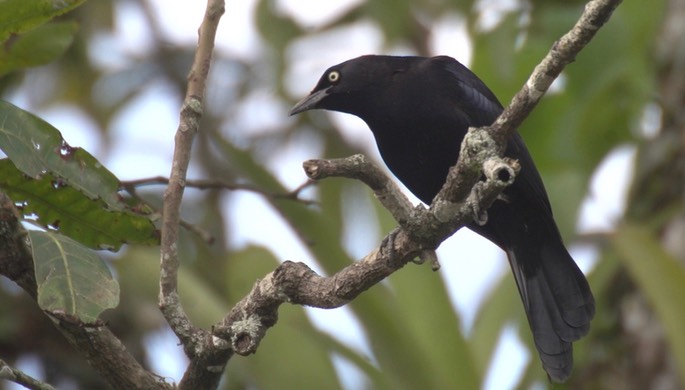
[152, 119]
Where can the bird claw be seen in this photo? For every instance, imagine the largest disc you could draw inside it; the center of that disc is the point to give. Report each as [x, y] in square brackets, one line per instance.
[387, 246]
[480, 216]
[428, 255]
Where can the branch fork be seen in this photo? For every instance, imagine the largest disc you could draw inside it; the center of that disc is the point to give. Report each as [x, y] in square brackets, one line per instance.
[463, 197]
[420, 230]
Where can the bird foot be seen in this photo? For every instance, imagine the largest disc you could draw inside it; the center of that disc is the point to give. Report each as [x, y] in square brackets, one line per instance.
[387, 246]
[480, 216]
[428, 256]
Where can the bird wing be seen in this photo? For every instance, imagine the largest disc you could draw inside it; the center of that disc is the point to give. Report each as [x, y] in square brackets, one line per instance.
[469, 93]
[472, 97]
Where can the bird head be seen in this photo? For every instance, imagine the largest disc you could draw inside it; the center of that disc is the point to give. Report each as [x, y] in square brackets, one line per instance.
[350, 86]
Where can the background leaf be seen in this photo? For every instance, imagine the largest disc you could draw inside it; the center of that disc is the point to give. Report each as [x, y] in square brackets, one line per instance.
[661, 277]
[38, 46]
[18, 16]
[71, 279]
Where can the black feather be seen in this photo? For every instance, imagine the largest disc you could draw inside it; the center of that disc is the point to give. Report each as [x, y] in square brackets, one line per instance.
[419, 110]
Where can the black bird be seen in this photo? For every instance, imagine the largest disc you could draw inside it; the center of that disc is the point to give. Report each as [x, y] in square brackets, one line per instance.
[419, 110]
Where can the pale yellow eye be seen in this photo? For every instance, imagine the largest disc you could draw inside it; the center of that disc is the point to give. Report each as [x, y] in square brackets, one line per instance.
[333, 76]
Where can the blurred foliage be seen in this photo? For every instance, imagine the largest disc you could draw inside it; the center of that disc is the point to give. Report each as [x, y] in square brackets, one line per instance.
[415, 337]
[28, 39]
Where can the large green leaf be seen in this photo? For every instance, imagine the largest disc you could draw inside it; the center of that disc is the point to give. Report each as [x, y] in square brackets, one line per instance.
[39, 46]
[17, 16]
[661, 277]
[71, 279]
[57, 206]
[37, 148]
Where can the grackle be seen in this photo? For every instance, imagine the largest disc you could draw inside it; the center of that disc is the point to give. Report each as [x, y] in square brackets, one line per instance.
[419, 110]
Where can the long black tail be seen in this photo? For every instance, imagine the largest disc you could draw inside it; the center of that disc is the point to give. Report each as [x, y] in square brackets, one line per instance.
[557, 300]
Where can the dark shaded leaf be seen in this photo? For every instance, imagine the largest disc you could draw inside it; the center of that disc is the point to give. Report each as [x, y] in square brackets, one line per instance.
[55, 205]
[39, 46]
[17, 16]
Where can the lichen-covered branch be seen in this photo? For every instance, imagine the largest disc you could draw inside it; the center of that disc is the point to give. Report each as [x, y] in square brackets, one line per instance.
[247, 323]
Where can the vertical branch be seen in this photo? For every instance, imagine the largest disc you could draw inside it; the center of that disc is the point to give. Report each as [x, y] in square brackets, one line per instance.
[191, 113]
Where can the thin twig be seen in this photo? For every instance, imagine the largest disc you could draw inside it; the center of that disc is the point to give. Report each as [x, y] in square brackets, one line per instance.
[19, 377]
[208, 184]
[360, 168]
[202, 233]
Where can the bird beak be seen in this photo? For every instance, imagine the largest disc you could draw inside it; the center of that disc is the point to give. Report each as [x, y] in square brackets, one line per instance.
[310, 102]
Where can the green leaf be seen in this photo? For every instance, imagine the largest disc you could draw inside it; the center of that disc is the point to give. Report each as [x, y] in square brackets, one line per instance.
[425, 308]
[393, 17]
[277, 29]
[37, 148]
[661, 277]
[36, 47]
[71, 279]
[377, 378]
[17, 16]
[54, 205]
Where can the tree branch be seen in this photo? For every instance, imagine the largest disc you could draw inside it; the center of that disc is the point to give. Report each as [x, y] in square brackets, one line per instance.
[191, 112]
[360, 168]
[103, 350]
[463, 199]
[562, 53]
[248, 321]
[207, 362]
